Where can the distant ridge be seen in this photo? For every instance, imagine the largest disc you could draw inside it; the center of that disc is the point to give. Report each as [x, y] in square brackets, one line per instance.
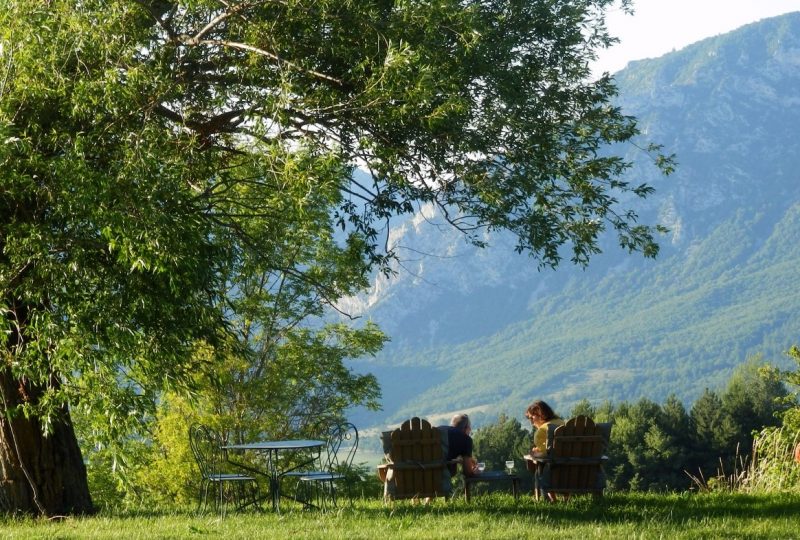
[484, 329]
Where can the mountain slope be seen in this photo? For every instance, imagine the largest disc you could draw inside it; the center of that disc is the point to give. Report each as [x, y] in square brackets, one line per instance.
[484, 330]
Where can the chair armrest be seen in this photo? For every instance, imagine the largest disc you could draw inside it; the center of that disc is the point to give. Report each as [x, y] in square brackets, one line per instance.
[534, 464]
[416, 465]
[543, 460]
[578, 461]
[530, 458]
[383, 471]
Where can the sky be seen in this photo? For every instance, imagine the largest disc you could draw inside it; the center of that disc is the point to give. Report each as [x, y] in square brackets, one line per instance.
[661, 26]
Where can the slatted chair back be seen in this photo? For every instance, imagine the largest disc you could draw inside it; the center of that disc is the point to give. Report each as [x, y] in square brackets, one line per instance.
[577, 453]
[338, 453]
[417, 460]
[205, 444]
[341, 448]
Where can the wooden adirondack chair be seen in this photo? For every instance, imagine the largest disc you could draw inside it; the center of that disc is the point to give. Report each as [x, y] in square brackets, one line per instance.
[574, 462]
[416, 462]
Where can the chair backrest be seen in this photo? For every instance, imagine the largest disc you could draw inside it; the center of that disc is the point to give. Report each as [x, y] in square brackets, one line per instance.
[579, 437]
[580, 444]
[417, 460]
[605, 431]
[342, 443]
[206, 447]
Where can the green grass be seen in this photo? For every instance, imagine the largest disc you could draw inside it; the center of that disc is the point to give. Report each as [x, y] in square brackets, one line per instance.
[495, 516]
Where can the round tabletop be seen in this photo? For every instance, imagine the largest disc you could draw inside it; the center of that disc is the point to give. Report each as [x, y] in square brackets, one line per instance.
[298, 444]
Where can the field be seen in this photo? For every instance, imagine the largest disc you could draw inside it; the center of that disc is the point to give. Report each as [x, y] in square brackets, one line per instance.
[715, 515]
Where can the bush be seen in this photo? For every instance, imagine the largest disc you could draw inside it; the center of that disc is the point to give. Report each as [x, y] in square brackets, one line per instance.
[503, 440]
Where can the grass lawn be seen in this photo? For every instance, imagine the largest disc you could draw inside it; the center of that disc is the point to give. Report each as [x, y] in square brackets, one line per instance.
[491, 516]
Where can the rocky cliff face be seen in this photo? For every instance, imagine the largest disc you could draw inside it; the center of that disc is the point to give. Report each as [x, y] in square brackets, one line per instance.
[729, 107]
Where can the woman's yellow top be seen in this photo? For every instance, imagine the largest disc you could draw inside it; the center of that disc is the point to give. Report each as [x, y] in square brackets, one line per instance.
[540, 437]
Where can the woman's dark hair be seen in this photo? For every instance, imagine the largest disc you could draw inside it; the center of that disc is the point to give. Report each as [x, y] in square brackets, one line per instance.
[541, 409]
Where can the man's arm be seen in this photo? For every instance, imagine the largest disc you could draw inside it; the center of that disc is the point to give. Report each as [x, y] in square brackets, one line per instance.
[470, 466]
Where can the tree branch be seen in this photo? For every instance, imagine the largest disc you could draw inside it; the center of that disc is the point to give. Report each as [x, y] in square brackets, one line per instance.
[262, 52]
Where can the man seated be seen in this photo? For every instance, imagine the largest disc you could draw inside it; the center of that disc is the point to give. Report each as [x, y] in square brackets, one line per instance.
[459, 445]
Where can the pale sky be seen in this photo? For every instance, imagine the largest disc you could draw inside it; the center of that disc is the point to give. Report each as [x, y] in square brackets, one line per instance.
[661, 26]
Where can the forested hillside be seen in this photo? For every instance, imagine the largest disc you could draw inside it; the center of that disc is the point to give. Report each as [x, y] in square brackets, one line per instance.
[486, 331]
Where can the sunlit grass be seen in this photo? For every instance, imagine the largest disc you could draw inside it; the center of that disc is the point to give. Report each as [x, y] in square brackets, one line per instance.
[715, 515]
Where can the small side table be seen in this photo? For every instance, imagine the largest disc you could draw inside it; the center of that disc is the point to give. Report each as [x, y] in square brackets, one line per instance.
[491, 476]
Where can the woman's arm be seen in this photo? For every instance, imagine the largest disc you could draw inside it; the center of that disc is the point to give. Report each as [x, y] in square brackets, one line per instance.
[540, 441]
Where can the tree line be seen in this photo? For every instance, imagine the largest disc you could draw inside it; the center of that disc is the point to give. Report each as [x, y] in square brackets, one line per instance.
[669, 446]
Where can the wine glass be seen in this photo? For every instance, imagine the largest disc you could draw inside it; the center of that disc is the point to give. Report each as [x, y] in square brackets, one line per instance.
[481, 466]
[510, 466]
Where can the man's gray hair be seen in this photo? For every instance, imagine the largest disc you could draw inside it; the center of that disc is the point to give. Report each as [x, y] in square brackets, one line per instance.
[460, 421]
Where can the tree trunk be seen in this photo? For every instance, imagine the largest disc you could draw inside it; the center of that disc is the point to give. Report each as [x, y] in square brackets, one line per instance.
[38, 474]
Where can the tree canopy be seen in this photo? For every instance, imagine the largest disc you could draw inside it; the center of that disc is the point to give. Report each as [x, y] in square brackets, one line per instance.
[171, 169]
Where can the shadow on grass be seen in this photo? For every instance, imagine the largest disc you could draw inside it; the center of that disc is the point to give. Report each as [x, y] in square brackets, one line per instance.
[618, 508]
[615, 508]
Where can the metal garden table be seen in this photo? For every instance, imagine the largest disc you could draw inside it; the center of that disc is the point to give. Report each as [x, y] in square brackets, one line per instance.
[272, 449]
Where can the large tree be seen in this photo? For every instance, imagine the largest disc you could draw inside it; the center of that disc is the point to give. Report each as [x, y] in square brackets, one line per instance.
[140, 139]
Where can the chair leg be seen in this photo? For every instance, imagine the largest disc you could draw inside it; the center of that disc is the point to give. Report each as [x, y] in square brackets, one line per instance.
[254, 492]
[201, 503]
[242, 497]
[238, 497]
[306, 494]
[323, 495]
[349, 489]
[224, 494]
[312, 497]
[332, 488]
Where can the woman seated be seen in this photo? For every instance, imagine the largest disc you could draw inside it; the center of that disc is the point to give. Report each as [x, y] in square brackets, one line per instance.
[542, 417]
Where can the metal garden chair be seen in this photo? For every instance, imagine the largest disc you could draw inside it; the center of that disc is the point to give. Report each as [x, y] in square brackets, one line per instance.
[337, 457]
[216, 471]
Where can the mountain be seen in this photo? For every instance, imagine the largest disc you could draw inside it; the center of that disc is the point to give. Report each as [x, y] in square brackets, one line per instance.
[485, 331]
